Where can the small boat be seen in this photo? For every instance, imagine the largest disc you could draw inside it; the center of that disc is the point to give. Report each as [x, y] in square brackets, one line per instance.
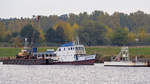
[71, 53]
[123, 60]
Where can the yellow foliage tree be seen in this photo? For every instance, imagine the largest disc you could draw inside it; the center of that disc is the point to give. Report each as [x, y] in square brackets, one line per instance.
[16, 42]
[131, 37]
[42, 35]
[109, 33]
[142, 34]
[75, 27]
[126, 29]
[38, 28]
[69, 30]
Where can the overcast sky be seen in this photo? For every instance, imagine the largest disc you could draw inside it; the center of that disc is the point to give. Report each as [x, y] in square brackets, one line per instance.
[27, 8]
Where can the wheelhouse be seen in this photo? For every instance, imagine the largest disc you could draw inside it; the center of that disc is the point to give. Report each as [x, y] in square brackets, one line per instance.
[70, 51]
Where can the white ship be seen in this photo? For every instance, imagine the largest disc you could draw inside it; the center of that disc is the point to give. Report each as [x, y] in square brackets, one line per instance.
[69, 54]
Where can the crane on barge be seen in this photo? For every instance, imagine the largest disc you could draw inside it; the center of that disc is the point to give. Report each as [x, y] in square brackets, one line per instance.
[123, 60]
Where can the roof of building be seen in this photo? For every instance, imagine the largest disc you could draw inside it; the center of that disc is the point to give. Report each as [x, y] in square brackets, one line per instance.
[67, 44]
[47, 52]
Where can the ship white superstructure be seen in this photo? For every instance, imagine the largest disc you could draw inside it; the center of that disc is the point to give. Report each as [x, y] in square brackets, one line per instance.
[72, 52]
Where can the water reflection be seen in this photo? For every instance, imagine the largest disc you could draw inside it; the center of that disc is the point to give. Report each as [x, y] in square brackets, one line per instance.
[73, 74]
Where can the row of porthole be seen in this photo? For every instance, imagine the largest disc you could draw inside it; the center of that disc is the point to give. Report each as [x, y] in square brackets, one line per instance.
[77, 48]
[68, 55]
[65, 49]
[45, 55]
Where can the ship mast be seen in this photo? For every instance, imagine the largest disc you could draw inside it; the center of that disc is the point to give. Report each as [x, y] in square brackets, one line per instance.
[77, 38]
[26, 43]
[76, 41]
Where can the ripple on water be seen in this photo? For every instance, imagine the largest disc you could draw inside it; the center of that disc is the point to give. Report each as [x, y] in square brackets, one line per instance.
[73, 74]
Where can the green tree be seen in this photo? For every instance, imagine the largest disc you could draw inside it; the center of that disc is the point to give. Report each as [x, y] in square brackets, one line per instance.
[31, 34]
[14, 34]
[60, 36]
[120, 37]
[92, 34]
[2, 31]
[50, 35]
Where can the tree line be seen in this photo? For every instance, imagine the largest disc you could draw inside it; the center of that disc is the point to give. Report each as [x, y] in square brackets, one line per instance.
[97, 28]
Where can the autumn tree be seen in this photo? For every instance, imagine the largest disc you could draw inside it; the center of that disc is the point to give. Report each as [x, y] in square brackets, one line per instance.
[75, 27]
[109, 34]
[42, 35]
[16, 42]
[131, 38]
[83, 24]
[2, 31]
[67, 28]
[142, 34]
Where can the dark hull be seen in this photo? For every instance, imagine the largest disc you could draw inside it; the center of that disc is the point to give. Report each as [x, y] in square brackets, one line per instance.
[84, 62]
[46, 62]
[127, 65]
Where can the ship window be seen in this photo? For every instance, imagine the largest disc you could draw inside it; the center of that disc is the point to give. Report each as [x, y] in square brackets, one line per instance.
[59, 49]
[50, 55]
[71, 48]
[54, 54]
[35, 55]
[46, 55]
[68, 48]
[77, 48]
[81, 48]
[39, 55]
[64, 49]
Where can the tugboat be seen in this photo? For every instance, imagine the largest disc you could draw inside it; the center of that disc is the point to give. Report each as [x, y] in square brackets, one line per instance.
[71, 53]
[123, 60]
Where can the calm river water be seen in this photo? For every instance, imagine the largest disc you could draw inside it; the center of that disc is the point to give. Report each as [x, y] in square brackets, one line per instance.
[73, 74]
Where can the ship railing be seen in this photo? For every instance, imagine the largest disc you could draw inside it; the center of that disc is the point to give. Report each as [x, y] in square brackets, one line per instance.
[141, 60]
[5, 58]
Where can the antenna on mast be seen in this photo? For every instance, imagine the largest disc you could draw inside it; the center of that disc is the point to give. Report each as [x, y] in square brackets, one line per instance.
[77, 40]
[26, 43]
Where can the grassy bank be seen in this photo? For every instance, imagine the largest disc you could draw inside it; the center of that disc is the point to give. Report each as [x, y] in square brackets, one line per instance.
[102, 52]
[112, 51]
[105, 53]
